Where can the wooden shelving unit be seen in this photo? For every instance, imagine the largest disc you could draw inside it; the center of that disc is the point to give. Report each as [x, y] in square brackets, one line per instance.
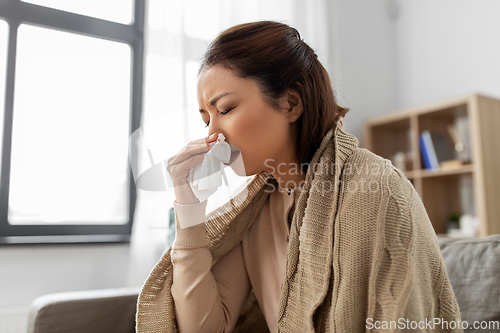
[439, 189]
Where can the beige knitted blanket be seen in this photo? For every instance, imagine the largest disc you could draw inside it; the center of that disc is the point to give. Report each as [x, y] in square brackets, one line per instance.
[362, 253]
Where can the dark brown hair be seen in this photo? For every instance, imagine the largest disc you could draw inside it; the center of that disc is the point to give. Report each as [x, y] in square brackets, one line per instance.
[274, 55]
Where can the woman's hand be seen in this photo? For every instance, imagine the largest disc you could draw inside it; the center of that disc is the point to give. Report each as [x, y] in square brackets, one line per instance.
[180, 165]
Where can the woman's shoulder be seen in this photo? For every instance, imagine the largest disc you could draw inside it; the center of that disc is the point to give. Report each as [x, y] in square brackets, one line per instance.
[363, 156]
[363, 164]
[371, 181]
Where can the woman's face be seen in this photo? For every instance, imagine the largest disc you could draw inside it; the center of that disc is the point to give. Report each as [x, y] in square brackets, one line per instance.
[236, 108]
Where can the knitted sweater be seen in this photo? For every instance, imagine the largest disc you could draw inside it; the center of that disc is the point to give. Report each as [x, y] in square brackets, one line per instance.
[362, 251]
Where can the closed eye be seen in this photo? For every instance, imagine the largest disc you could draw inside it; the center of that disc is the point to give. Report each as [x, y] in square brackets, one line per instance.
[221, 113]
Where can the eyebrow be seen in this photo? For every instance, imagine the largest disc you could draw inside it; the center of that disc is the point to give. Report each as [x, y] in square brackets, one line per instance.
[216, 99]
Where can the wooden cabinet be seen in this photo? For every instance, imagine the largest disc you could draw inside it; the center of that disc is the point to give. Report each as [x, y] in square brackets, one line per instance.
[441, 190]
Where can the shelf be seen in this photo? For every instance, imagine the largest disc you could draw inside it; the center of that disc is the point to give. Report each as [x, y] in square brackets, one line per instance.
[465, 169]
[472, 188]
[447, 172]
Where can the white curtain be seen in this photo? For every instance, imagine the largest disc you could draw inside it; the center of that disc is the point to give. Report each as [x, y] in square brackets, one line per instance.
[177, 33]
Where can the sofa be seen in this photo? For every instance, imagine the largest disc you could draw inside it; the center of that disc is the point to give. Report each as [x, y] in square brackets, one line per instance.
[473, 266]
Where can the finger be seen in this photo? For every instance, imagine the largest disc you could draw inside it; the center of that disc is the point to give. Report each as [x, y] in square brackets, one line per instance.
[188, 151]
[181, 170]
[194, 147]
[179, 159]
[212, 137]
[199, 145]
[191, 162]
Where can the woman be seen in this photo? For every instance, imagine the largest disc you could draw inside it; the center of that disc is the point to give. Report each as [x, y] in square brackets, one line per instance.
[329, 237]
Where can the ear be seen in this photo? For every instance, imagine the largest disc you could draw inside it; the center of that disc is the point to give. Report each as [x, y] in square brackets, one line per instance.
[294, 107]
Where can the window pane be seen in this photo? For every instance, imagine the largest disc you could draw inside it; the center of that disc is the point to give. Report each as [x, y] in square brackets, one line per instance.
[3, 67]
[70, 129]
[120, 11]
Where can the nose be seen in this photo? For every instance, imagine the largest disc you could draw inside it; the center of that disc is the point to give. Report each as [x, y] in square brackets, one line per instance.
[217, 134]
[212, 129]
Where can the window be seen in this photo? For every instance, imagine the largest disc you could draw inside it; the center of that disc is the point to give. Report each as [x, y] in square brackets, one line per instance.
[73, 95]
[113, 10]
[3, 68]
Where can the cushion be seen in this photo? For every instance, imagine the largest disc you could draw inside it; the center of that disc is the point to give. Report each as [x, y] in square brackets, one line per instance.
[473, 266]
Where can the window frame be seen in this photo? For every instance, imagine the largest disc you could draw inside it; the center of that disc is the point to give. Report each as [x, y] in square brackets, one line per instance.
[15, 13]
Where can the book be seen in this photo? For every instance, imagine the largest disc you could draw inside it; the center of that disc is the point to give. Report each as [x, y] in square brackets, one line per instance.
[427, 151]
[435, 148]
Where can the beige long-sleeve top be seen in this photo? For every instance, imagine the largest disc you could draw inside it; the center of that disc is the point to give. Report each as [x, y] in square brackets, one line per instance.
[210, 300]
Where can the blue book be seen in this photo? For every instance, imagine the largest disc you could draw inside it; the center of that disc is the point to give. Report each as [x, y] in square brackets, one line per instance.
[427, 150]
[423, 152]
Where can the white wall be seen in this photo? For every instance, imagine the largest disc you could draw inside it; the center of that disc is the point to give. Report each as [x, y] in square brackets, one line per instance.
[446, 48]
[27, 272]
[364, 69]
[391, 55]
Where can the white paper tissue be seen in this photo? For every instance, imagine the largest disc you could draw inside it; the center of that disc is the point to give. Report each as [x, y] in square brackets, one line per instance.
[206, 177]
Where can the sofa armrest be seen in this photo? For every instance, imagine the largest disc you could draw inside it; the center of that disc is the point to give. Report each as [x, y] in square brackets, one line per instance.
[107, 310]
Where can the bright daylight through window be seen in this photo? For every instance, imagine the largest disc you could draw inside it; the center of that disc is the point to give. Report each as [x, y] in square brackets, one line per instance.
[70, 131]
[70, 96]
